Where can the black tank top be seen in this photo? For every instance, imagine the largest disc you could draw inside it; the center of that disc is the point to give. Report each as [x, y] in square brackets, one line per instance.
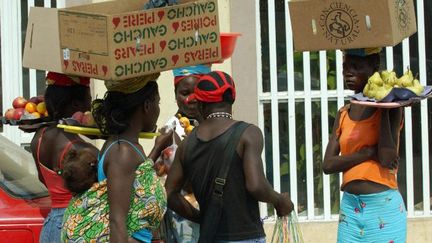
[240, 218]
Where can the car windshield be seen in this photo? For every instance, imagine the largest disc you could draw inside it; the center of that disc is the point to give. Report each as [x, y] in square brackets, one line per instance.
[18, 174]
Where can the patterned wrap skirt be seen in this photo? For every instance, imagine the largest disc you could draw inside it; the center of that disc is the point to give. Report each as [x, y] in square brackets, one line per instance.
[378, 217]
[87, 217]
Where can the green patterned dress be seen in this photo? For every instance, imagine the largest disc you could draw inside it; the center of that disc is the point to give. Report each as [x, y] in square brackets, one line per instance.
[87, 217]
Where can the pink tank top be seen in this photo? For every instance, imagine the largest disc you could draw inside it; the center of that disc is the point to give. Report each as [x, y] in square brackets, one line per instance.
[60, 196]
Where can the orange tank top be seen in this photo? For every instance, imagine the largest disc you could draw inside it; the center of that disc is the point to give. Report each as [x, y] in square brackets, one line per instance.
[353, 136]
[60, 195]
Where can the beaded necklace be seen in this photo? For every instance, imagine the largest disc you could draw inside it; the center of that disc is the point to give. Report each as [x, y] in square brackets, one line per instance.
[219, 114]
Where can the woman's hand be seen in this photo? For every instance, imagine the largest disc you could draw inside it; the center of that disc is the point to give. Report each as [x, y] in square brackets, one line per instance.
[392, 164]
[165, 138]
[162, 141]
[370, 152]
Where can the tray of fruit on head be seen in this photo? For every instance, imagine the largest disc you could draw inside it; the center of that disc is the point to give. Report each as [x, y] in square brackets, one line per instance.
[84, 123]
[26, 112]
[386, 90]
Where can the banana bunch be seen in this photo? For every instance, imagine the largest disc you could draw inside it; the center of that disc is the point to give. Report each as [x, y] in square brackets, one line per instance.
[380, 85]
[185, 123]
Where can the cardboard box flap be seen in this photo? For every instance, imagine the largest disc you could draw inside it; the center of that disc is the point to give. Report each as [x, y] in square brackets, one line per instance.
[110, 7]
[74, 28]
[42, 43]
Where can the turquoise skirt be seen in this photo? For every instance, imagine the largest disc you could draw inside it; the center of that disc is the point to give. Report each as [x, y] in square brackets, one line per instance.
[378, 217]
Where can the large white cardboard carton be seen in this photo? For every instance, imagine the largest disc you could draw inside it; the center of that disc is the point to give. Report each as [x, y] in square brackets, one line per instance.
[119, 40]
[344, 24]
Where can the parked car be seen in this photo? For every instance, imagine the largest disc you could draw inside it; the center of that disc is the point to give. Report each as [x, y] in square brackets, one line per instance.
[24, 200]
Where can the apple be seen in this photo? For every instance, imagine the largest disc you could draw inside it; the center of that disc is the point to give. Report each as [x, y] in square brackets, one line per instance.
[34, 100]
[18, 113]
[40, 98]
[9, 113]
[167, 153]
[78, 116]
[88, 120]
[160, 168]
[19, 102]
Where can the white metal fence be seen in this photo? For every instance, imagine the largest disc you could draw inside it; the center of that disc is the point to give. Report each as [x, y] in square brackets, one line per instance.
[296, 103]
[15, 80]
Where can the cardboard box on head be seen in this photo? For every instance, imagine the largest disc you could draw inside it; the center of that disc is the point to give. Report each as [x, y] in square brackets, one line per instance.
[118, 39]
[347, 24]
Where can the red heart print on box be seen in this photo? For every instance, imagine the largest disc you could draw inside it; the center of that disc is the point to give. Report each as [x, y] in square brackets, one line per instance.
[116, 21]
[66, 63]
[161, 15]
[175, 59]
[104, 69]
[162, 44]
[175, 26]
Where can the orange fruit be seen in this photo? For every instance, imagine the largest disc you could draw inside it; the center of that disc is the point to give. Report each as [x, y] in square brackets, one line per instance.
[30, 107]
[41, 108]
[184, 122]
[36, 114]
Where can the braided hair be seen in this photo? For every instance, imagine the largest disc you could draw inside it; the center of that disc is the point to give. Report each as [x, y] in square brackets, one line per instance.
[112, 113]
[59, 100]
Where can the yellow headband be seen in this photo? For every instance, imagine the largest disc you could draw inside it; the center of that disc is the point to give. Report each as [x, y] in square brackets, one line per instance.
[131, 85]
[362, 52]
[370, 51]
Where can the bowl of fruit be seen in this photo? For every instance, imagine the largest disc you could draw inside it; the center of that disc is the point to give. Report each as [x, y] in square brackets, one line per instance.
[387, 87]
[25, 111]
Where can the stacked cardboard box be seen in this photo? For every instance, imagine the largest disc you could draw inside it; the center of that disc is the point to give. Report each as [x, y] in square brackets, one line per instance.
[119, 39]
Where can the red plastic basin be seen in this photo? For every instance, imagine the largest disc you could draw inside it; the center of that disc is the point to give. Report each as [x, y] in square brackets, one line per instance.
[228, 43]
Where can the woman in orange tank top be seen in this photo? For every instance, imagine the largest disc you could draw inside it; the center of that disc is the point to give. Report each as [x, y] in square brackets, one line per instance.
[364, 146]
[64, 95]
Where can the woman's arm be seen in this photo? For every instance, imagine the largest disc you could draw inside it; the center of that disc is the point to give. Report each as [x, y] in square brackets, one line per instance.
[174, 184]
[388, 144]
[162, 141]
[334, 162]
[121, 163]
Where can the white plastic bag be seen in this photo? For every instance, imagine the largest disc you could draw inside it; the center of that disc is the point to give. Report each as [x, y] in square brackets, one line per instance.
[163, 163]
[287, 230]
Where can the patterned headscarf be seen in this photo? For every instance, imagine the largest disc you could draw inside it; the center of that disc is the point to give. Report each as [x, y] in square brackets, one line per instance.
[362, 52]
[60, 79]
[131, 85]
[195, 71]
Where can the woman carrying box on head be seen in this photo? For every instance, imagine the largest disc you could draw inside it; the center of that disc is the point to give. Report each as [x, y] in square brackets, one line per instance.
[64, 95]
[364, 146]
[129, 200]
[180, 229]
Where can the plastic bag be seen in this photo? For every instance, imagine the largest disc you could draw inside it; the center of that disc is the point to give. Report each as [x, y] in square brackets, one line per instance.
[287, 230]
[163, 163]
